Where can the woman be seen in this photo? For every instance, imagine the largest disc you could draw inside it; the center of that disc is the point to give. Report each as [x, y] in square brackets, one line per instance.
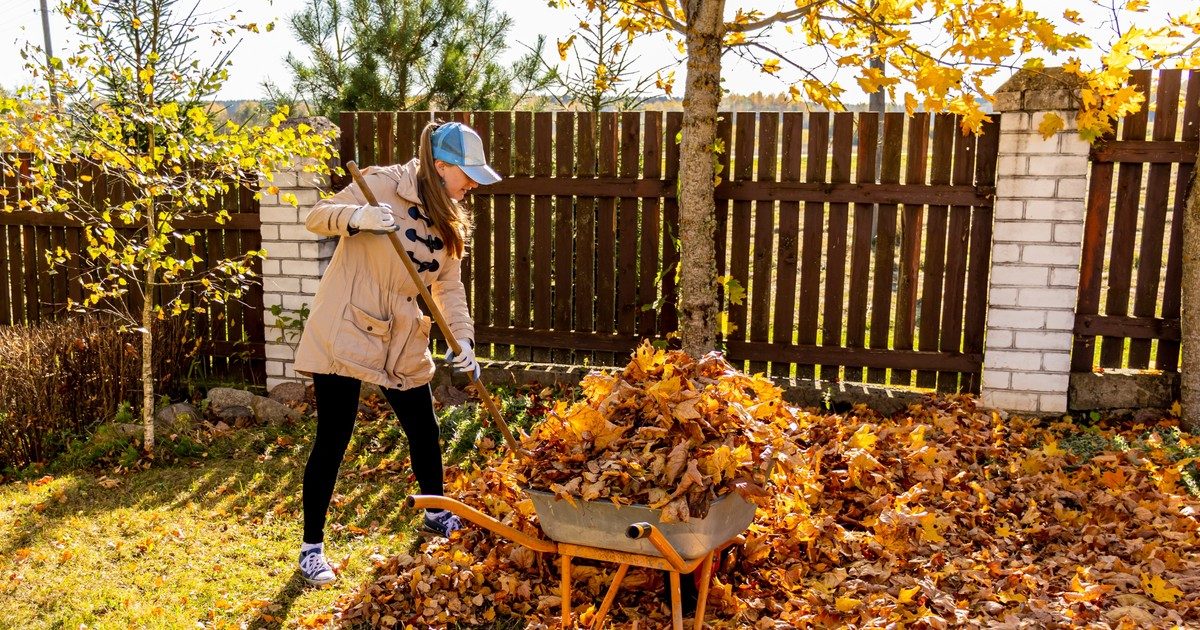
[365, 323]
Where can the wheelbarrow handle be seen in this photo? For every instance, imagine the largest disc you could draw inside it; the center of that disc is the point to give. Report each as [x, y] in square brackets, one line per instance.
[488, 402]
[660, 542]
[479, 518]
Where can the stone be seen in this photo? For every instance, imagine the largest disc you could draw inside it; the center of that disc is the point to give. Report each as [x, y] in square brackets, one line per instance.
[450, 395]
[289, 393]
[1122, 389]
[272, 412]
[129, 429]
[236, 415]
[1041, 89]
[174, 418]
[221, 398]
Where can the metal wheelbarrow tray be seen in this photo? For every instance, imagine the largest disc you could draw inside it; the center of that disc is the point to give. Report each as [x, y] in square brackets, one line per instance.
[628, 535]
[603, 524]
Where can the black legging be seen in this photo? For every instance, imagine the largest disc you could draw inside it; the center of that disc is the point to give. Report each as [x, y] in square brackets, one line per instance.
[337, 406]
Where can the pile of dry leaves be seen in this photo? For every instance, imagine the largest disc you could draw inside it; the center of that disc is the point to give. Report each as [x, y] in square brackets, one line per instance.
[940, 516]
[669, 432]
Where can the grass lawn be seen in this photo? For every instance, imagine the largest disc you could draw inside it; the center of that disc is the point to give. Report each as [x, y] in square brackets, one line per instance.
[204, 542]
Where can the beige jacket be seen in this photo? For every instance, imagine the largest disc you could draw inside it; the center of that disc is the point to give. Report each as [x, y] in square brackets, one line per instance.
[365, 321]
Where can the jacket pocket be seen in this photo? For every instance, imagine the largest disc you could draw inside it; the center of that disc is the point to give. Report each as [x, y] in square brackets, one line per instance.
[362, 339]
[410, 354]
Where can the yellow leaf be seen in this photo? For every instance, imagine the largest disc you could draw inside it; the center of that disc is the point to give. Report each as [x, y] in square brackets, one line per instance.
[846, 604]
[916, 439]
[1051, 449]
[771, 66]
[564, 46]
[929, 529]
[1009, 597]
[1051, 124]
[907, 594]
[1176, 409]
[1160, 589]
[864, 438]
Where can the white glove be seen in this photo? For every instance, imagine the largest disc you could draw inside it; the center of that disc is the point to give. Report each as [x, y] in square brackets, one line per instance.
[464, 362]
[368, 218]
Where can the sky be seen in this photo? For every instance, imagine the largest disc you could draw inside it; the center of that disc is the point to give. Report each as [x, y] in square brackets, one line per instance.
[260, 57]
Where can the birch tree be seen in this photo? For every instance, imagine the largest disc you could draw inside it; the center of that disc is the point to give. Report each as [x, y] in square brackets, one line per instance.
[132, 154]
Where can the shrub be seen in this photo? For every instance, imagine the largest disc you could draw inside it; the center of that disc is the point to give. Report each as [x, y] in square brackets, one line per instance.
[59, 380]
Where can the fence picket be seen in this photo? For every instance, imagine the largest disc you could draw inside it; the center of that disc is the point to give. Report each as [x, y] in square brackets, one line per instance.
[980, 255]
[814, 231]
[543, 235]
[789, 235]
[1154, 214]
[668, 319]
[835, 252]
[564, 228]
[860, 256]
[739, 223]
[606, 237]
[957, 242]
[585, 228]
[912, 224]
[652, 153]
[523, 234]
[1167, 358]
[501, 158]
[1125, 216]
[885, 241]
[759, 290]
[934, 267]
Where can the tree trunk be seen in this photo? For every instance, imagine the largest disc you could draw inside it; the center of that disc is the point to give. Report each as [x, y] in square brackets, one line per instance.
[697, 209]
[1189, 368]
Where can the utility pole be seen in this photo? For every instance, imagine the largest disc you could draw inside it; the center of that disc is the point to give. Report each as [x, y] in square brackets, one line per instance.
[49, 54]
[877, 103]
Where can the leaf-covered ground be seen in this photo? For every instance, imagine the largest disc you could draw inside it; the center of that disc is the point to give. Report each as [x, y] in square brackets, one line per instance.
[944, 516]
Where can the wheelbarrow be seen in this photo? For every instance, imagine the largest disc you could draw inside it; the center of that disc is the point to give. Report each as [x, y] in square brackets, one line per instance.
[630, 535]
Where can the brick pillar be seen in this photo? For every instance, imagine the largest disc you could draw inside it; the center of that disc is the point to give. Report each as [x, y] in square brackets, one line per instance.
[295, 260]
[1041, 188]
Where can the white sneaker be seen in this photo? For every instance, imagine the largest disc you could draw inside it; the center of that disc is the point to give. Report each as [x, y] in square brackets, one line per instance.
[314, 568]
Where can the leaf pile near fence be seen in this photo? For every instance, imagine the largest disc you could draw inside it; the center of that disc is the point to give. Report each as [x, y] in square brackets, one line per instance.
[861, 241]
[1128, 234]
[35, 289]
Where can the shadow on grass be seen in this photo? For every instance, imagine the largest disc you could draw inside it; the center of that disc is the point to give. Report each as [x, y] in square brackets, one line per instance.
[241, 486]
[281, 603]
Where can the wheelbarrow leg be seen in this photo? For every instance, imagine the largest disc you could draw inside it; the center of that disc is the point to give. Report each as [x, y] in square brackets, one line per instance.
[598, 622]
[566, 591]
[676, 602]
[705, 578]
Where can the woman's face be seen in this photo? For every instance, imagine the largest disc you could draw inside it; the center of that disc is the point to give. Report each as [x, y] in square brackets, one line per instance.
[456, 181]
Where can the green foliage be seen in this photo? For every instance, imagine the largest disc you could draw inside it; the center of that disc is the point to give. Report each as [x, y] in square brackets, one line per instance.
[465, 425]
[1175, 445]
[289, 324]
[106, 446]
[408, 55]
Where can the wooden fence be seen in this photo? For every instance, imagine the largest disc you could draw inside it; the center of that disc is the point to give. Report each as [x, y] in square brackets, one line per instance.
[1128, 234]
[32, 289]
[862, 242]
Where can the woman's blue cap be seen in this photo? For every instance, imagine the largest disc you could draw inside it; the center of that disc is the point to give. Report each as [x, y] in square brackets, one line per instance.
[458, 144]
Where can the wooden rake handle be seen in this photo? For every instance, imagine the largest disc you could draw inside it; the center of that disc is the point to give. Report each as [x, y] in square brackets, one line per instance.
[488, 402]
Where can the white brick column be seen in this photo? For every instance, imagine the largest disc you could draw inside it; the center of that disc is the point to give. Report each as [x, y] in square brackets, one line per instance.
[295, 260]
[1041, 188]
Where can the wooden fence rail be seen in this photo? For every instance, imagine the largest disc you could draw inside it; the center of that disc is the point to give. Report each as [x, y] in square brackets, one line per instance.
[1128, 235]
[849, 270]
